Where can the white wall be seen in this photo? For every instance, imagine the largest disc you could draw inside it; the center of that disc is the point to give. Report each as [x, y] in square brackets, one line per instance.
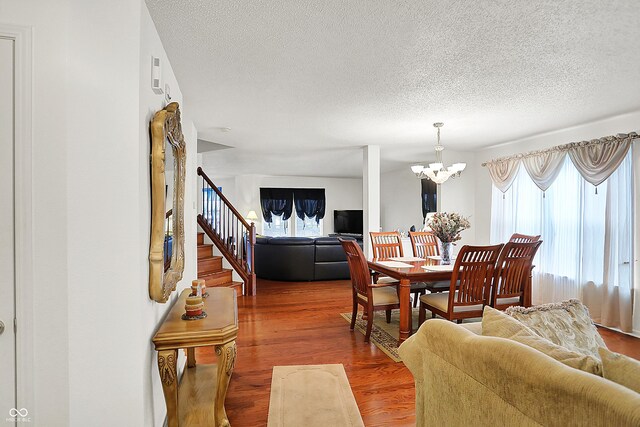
[401, 193]
[48, 321]
[243, 192]
[92, 318]
[400, 204]
[153, 313]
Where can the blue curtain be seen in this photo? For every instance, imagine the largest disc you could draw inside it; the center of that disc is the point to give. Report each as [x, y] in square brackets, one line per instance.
[276, 201]
[309, 202]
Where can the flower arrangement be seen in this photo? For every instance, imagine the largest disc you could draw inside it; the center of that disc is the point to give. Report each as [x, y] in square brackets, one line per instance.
[447, 226]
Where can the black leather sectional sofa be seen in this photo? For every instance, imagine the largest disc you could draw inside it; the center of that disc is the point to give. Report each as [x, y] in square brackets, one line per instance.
[300, 259]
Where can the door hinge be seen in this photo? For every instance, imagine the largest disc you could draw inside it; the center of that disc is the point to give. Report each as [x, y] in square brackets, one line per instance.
[15, 325]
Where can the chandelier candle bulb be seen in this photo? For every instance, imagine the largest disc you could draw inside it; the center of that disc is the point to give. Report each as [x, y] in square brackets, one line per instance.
[436, 171]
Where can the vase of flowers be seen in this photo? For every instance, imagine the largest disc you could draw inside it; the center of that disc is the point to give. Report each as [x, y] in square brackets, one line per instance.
[447, 227]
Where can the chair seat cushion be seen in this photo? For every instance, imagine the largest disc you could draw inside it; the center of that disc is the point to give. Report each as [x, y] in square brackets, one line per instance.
[438, 286]
[383, 296]
[504, 301]
[440, 301]
[387, 279]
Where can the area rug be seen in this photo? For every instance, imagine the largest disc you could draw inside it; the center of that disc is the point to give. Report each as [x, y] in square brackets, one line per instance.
[312, 396]
[385, 335]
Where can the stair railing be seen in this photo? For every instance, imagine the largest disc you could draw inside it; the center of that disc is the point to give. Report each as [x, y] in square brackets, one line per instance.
[234, 237]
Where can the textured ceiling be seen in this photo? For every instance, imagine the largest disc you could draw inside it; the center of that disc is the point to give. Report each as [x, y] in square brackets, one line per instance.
[297, 79]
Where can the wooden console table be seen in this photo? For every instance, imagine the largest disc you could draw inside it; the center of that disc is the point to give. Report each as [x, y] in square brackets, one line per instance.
[199, 399]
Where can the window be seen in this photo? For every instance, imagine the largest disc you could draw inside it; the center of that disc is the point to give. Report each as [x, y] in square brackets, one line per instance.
[586, 233]
[304, 209]
[308, 228]
[277, 227]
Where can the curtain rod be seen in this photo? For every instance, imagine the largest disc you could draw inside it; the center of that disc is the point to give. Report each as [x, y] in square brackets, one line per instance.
[566, 147]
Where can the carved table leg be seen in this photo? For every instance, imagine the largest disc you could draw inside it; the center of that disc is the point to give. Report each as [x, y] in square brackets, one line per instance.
[167, 360]
[405, 310]
[191, 357]
[226, 360]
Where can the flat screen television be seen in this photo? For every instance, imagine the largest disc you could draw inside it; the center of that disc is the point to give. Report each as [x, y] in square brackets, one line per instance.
[347, 221]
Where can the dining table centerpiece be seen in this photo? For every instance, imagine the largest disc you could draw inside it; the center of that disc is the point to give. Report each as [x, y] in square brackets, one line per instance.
[447, 228]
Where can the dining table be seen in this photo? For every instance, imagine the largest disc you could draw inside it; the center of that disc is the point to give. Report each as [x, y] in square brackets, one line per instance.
[412, 269]
[407, 270]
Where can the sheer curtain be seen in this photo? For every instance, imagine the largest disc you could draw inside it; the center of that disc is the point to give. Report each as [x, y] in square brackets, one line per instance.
[587, 238]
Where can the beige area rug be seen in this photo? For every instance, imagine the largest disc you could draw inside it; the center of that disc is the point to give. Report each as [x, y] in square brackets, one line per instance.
[312, 396]
[385, 335]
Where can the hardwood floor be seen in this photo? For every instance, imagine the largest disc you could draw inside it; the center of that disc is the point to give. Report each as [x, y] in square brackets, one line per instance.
[299, 324]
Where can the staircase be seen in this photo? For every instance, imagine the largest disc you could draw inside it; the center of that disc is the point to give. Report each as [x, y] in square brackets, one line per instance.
[210, 268]
[231, 235]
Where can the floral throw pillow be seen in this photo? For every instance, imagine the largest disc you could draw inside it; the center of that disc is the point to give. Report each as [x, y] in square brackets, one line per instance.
[567, 324]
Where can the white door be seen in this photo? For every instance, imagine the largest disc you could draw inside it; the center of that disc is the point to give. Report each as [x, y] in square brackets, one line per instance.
[7, 227]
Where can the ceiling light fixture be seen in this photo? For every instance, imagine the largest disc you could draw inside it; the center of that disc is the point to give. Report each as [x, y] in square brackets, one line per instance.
[436, 172]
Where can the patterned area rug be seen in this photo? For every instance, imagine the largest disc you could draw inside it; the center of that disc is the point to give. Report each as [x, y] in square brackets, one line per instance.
[385, 335]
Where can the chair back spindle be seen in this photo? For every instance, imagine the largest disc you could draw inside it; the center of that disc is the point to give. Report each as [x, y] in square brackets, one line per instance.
[358, 268]
[386, 244]
[523, 238]
[424, 244]
[513, 269]
[473, 274]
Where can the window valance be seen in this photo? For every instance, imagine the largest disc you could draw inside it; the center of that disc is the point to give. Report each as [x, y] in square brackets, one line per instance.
[596, 160]
[276, 201]
[310, 202]
[280, 201]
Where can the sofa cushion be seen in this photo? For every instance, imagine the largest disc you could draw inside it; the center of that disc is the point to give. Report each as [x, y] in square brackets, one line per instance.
[338, 270]
[321, 241]
[497, 324]
[620, 369]
[566, 324]
[292, 241]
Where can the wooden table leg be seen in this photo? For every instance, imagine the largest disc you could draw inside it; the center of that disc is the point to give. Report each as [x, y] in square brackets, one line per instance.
[405, 310]
[167, 360]
[527, 291]
[191, 357]
[226, 361]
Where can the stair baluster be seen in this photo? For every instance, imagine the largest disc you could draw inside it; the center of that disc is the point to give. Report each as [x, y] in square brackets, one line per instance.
[229, 232]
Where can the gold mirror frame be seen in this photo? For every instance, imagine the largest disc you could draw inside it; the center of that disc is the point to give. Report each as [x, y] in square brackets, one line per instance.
[166, 126]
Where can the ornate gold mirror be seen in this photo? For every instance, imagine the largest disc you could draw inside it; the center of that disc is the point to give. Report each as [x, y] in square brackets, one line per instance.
[166, 252]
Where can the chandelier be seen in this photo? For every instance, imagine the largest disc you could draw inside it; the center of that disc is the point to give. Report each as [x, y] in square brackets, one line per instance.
[436, 172]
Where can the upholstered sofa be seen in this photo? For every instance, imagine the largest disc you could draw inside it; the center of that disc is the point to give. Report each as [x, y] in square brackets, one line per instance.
[463, 378]
[300, 259]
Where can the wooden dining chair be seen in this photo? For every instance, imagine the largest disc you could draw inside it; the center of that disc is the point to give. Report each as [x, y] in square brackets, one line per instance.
[513, 270]
[387, 245]
[473, 270]
[371, 296]
[523, 238]
[425, 244]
